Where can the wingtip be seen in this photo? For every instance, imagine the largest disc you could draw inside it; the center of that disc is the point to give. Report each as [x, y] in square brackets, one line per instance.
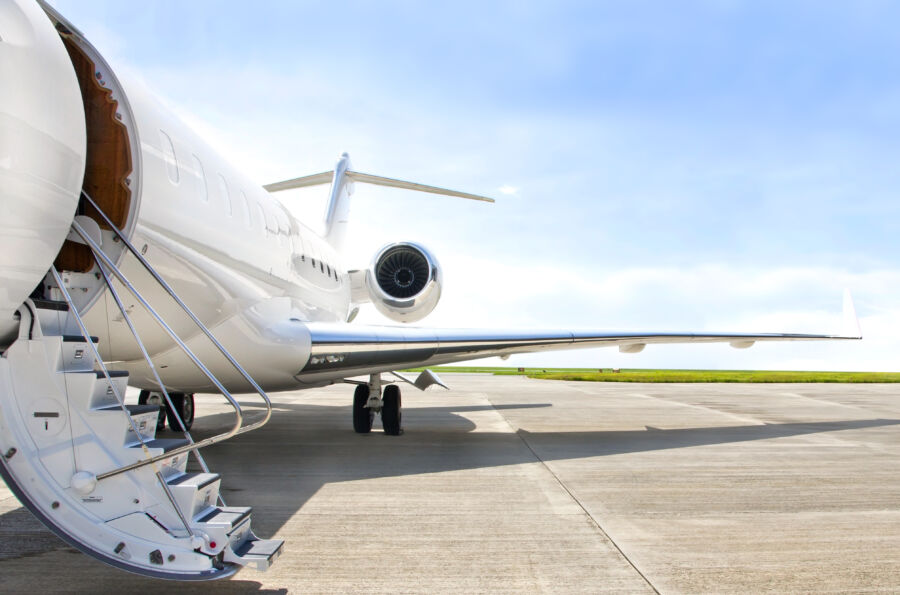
[850, 328]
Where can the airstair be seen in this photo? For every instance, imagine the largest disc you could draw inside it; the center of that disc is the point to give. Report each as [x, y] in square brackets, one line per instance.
[91, 467]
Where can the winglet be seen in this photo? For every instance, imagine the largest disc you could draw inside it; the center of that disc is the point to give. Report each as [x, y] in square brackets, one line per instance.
[850, 328]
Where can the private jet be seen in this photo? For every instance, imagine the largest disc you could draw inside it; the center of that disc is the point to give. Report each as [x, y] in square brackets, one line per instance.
[135, 256]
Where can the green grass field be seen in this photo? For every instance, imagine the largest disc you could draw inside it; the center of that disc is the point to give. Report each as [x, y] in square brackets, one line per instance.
[637, 375]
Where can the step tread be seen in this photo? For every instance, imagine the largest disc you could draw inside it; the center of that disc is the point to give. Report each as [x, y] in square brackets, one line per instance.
[112, 373]
[230, 516]
[166, 444]
[50, 305]
[197, 480]
[132, 409]
[260, 548]
[78, 339]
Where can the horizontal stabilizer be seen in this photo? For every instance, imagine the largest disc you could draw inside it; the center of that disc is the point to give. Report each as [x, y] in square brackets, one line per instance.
[313, 180]
[327, 177]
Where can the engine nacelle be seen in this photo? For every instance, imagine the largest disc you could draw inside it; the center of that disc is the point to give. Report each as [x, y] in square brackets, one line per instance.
[404, 282]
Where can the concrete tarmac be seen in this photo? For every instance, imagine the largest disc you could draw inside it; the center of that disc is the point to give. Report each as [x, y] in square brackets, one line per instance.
[507, 484]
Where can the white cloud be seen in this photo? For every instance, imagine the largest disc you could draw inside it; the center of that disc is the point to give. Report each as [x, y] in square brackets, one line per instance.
[482, 292]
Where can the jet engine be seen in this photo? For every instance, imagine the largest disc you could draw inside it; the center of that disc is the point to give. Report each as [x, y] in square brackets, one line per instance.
[404, 282]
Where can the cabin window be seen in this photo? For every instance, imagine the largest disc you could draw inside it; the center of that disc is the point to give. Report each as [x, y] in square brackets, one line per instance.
[226, 198]
[246, 206]
[168, 150]
[284, 225]
[262, 217]
[200, 176]
[271, 222]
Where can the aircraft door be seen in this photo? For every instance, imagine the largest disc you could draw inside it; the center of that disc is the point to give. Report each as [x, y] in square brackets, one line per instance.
[42, 150]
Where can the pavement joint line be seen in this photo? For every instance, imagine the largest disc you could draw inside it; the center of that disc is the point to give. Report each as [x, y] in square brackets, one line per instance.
[826, 401]
[587, 513]
[737, 416]
[822, 435]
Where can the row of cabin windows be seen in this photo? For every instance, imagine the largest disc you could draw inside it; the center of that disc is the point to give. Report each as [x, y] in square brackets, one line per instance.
[275, 224]
[271, 223]
[324, 268]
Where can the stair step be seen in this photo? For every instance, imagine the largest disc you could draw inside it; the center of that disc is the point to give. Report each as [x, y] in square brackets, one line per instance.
[227, 517]
[55, 318]
[172, 467]
[195, 493]
[51, 305]
[143, 416]
[91, 390]
[78, 339]
[167, 444]
[196, 480]
[132, 409]
[74, 354]
[259, 553]
[103, 394]
[112, 374]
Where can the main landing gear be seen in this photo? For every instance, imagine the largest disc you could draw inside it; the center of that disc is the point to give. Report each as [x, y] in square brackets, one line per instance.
[184, 409]
[366, 401]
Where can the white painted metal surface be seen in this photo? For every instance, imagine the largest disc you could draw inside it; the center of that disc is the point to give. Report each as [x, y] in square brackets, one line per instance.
[42, 151]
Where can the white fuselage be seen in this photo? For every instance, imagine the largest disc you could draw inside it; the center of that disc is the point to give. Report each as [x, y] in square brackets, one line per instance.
[247, 268]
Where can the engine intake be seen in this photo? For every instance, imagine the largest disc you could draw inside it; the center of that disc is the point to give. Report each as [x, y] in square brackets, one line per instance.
[404, 282]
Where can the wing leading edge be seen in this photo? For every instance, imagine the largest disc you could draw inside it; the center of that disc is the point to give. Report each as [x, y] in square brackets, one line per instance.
[347, 350]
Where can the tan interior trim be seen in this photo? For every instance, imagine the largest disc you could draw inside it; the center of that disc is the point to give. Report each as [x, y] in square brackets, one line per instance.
[108, 158]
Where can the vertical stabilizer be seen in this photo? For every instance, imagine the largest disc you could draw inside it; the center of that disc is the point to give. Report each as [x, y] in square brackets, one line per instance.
[338, 214]
[850, 327]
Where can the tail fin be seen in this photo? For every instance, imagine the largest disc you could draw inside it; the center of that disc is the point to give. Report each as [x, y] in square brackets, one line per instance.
[850, 327]
[338, 213]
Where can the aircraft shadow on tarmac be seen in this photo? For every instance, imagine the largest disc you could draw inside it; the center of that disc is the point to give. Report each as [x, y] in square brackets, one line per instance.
[316, 447]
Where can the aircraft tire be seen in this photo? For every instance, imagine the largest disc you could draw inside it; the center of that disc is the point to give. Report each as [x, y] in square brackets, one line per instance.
[154, 398]
[362, 415]
[184, 405]
[390, 410]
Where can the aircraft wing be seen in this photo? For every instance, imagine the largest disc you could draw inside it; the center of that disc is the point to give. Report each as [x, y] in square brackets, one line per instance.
[342, 350]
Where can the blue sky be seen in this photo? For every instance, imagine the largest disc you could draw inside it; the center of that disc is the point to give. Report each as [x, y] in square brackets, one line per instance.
[715, 165]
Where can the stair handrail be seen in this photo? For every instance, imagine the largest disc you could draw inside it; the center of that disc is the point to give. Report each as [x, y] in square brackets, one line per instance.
[239, 418]
[152, 366]
[121, 400]
[149, 268]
